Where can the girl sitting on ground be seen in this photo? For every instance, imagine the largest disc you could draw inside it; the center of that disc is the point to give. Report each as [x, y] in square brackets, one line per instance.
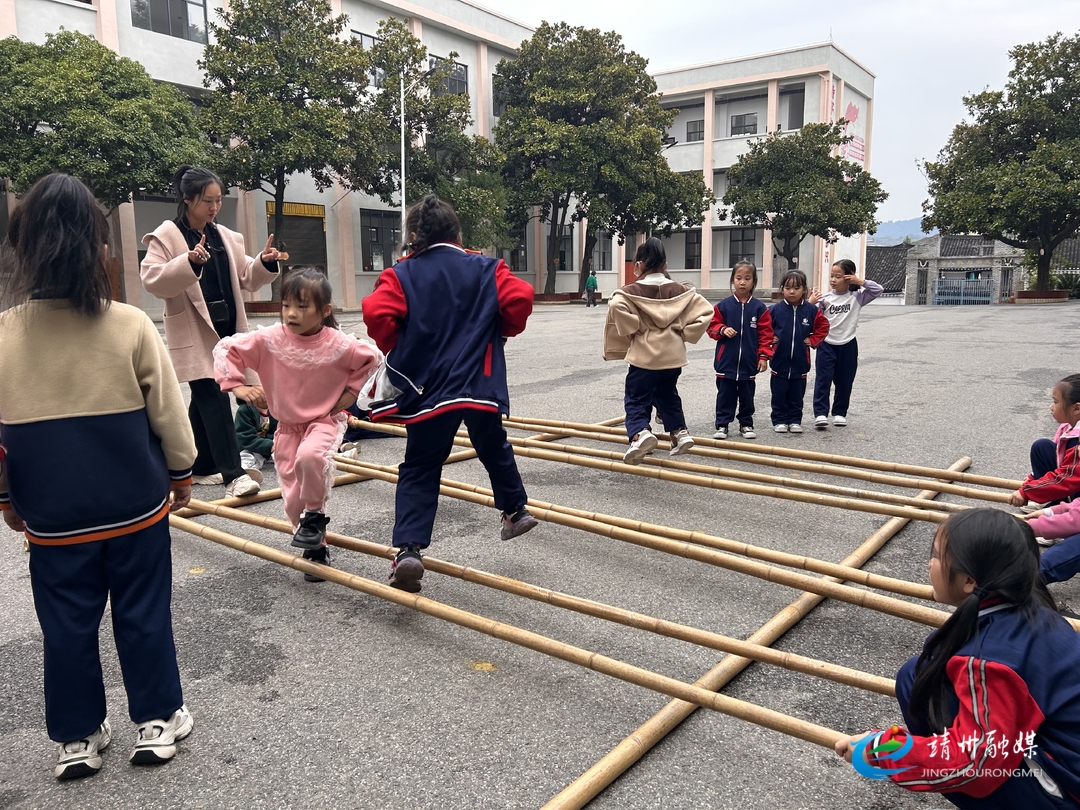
[1055, 474]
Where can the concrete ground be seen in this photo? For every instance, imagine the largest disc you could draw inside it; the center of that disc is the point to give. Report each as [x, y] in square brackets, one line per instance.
[315, 696]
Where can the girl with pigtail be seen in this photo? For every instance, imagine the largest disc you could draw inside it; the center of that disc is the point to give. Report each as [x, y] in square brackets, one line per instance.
[992, 705]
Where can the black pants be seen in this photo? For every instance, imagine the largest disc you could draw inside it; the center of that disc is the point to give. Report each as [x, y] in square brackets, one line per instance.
[731, 394]
[788, 394]
[590, 297]
[835, 364]
[646, 388]
[211, 418]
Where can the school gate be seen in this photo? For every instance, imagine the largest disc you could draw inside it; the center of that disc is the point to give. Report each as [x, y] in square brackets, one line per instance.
[951, 292]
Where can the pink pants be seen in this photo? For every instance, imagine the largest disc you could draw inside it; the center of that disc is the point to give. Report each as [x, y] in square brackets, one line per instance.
[304, 456]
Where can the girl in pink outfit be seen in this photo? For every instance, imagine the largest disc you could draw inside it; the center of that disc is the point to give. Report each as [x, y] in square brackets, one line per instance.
[309, 374]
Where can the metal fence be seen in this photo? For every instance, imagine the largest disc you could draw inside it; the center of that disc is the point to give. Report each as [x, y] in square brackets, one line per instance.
[952, 292]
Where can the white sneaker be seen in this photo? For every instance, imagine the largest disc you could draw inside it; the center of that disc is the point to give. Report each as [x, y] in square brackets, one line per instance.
[350, 450]
[1031, 507]
[821, 422]
[157, 738]
[721, 433]
[779, 428]
[253, 474]
[207, 480]
[1047, 542]
[244, 485]
[83, 757]
[839, 421]
[681, 442]
[640, 447]
[794, 428]
[747, 432]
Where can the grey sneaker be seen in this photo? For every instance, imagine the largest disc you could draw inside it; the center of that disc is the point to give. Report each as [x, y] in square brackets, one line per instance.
[157, 739]
[83, 757]
[407, 570]
[643, 444]
[242, 486]
[517, 523]
[681, 442]
[207, 480]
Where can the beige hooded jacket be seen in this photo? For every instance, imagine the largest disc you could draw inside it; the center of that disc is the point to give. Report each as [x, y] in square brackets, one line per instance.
[649, 325]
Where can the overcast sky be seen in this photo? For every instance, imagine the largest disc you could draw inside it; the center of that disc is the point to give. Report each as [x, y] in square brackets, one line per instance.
[927, 55]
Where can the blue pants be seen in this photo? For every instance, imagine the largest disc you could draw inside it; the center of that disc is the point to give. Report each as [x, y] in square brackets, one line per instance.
[428, 444]
[1043, 457]
[1016, 792]
[787, 399]
[730, 393]
[1061, 562]
[835, 365]
[70, 585]
[646, 388]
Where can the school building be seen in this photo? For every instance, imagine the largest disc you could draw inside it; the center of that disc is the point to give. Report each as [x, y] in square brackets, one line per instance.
[722, 106]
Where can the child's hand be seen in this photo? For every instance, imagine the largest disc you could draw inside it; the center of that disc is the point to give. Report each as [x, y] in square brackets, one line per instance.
[853, 280]
[13, 521]
[355, 423]
[728, 332]
[762, 364]
[843, 747]
[252, 395]
[814, 297]
[1017, 498]
[806, 341]
[181, 497]
[775, 340]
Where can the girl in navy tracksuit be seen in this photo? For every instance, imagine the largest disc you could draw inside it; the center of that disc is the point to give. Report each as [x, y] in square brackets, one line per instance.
[992, 705]
[798, 327]
[742, 329]
[441, 315]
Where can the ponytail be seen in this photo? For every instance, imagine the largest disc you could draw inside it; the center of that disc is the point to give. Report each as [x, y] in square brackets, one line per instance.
[190, 182]
[653, 256]
[429, 222]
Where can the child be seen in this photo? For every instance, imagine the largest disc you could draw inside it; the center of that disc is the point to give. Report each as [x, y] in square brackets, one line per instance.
[838, 355]
[255, 434]
[649, 324]
[591, 286]
[310, 371]
[798, 326]
[442, 314]
[742, 329]
[128, 445]
[1058, 527]
[1055, 475]
[992, 705]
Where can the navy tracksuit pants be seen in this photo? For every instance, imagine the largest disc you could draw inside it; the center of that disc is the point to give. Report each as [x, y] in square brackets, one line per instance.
[428, 444]
[71, 584]
[788, 394]
[1062, 561]
[730, 394]
[646, 387]
[835, 365]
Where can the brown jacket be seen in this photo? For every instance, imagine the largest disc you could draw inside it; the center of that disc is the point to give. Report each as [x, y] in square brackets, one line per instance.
[166, 273]
[649, 325]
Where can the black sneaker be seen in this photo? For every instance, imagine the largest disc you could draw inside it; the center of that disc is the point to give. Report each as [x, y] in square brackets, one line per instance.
[517, 523]
[317, 555]
[311, 533]
[407, 570]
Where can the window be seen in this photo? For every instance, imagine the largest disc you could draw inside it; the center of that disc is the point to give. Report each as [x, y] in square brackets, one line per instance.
[516, 257]
[566, 249]
[498, 100]
[744, 124]
[601, 258]
[695, 130]
[742, 245]
[185, 19]
[380, 239]
[457, 82]
[693, 250]
[719, 184]
[376, 76]
[796, 103]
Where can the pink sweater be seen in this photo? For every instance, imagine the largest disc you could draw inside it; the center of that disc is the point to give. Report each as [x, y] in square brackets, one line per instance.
[303, 376]
[1060, 520]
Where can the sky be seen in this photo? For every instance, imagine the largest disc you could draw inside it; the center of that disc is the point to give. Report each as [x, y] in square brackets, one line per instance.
[927, 55]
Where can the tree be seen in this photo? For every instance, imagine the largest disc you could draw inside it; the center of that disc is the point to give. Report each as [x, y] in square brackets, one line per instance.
[1013, 172]
[72, 105]
[798, 185]
[290, 99]
[581, 138]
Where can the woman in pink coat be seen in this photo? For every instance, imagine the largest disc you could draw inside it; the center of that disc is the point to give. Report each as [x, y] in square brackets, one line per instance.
[199, 268]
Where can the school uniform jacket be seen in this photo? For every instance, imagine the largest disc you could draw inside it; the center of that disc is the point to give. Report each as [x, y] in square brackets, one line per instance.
[737, 357]
[1063, 482]
[92, 422]
[440, 316]
[791, 327]
[1017, 699]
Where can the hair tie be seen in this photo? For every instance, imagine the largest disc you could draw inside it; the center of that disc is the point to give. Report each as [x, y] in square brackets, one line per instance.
[980, 593]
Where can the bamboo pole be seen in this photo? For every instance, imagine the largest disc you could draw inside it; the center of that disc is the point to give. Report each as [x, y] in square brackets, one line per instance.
[621, 758]
[876, 581]
[731, 562]
[791, 452]
[693, 635]
[768, 718]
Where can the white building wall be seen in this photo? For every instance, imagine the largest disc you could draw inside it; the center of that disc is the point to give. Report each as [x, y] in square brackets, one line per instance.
[36, 18]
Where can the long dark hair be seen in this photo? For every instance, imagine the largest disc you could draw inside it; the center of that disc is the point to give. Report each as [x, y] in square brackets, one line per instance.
[999, 552]
[1070, 387]
[653, 256]
[190, 182]
[304, 282]
[849, 268]
[429, 222]
[56, 237]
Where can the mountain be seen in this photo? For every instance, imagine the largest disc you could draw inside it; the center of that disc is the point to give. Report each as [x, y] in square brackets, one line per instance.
[894, 231]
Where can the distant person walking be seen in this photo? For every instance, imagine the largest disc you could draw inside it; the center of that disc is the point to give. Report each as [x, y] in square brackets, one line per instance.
[590, 289]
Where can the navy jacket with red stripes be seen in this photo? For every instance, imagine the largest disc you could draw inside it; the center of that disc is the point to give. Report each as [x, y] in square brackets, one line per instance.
[440, 316]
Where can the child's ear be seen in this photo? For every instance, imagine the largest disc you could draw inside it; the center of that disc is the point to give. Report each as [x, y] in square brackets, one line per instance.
[327, 310]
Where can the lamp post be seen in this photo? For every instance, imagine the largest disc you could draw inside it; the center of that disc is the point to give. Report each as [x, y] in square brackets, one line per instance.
[401, 115]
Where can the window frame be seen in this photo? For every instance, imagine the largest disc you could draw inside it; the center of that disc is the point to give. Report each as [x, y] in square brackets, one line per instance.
[695, 134]
[692, 258]
[742, 129]
[742, 239]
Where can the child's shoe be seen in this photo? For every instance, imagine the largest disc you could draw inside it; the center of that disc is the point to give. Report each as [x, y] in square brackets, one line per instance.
[350, 450]
[516, 523]
[1048, 542]
[1031, 507]
[681, 442]
[780, 428]
[821, 422]
[254, 474]
[242, 486]
[643, 444]
[319, 555]
[83, 757]
[794, 428]
[212, 480]
[157, 738]
[721, 433]
[311, 533]
[839, 421]
[747, 431]
[407, 570]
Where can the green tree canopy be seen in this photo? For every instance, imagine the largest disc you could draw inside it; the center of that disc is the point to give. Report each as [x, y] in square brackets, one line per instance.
[581, 137]
[1012, 172]
[798, 185]
[72, 105]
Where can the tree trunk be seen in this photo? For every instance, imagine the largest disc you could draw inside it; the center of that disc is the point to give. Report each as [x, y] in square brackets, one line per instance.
[279, 224]
[788, 248]
[1042, 275]
[586, 260]
[558, 220]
